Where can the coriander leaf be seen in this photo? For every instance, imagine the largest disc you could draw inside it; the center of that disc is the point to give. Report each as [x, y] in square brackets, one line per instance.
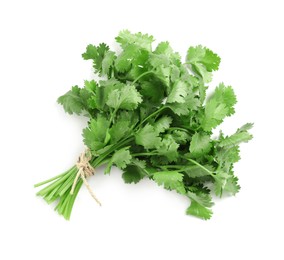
[241, 136]
[226, 96]
[126, 38]
[214, 114]
[191, 104]
[235, 139]
[202, 72]
[132, 174]
[125, 98]
[194, 171]
[178, 93]
[71, 101]
[124, 122]
[157, 60]
[228, 154]
[200, 204]
[139, 66]
[179, 109]
[221, 179]
[95, 134]
[163, 124]
[171, 180]
[164, 48]
[168, 148]
[245, 127]
[108, 62]
[153, 91]
[200, 145]
[180, 137]
[91, 52]
[204, 56]
[147, 137]
[101, 56]
[91, 86]
[163, 74]
[232, 185]
[124, 60]
[118, 131]
[120, 158]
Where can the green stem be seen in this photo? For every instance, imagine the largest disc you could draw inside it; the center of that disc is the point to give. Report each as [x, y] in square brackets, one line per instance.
[199, 165]
[153, 114]
[142, 75]
[51, 179]
[54, 184]
[171, 166]
[103, 156]
[143, 154]
[112, 116]
[180, 129]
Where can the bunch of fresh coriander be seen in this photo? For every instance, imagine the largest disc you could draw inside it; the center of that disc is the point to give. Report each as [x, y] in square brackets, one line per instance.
[150, 117]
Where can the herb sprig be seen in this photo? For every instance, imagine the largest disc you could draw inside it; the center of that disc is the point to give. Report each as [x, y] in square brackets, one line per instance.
[149, 116]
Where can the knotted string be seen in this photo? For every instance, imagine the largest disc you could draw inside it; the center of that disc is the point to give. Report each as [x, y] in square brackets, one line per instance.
[85, 170]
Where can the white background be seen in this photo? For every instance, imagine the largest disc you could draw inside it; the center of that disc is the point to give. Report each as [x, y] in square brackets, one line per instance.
[40, 59]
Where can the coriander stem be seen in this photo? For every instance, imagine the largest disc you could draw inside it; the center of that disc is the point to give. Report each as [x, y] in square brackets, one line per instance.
[153, 114]
[54, 184]
[51, 179]
[103, 156]
[202, 167]
[143, 154]
[179, 128]
[142, 75]
[112, 116]
[171, 166]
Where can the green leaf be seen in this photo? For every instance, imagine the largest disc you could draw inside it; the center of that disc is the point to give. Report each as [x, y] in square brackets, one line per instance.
[119, 130]
[163, 124]
[200, 145]
[95, 134]
[125, 98]
[214, 114]
[194, 171]
[101, 56]
[235, 139]
[202, 55]
[71, 101]
[221, 179]
[120, 158]
[91, 86]
[200, 204]
[180, 137]
[147, 137]
[126, 38]
[108, 62]
[91, 52]
[232, 185]
[171, 180]
[153, 91]
[228, 154]
[125, 59]
[133, 174]
[178, 93]
[245, 127]
[202, 72]
[168, 148]
[225, 95]
[241, 136]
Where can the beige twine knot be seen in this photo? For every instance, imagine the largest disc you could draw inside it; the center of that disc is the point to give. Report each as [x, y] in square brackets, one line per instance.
[85, 170]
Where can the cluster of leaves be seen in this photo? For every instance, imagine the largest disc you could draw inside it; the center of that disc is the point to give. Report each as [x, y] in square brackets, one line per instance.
[149, 116]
